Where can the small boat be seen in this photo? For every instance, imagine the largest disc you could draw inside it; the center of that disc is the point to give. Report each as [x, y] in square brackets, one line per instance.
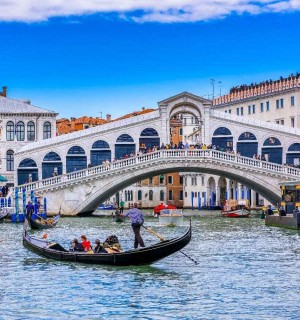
[170, 217]
[3, 215]
[157, 210]
[236, 209]
[106, 207]
[41, 223]
[142, 256]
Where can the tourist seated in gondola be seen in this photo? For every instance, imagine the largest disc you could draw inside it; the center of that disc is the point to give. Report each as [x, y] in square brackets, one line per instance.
[98, 248]
[112, 244]
[86, 243]
[76, 246]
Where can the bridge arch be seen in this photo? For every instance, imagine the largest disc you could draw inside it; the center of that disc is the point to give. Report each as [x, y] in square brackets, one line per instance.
[185, 108]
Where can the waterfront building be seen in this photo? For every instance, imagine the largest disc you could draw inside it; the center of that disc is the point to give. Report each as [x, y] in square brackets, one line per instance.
[21, 123]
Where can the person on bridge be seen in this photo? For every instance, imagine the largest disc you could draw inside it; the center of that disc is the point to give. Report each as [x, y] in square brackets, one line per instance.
[137, 220]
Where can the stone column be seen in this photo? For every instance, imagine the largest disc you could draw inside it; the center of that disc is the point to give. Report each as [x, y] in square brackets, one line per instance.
[208, 195]
[253, 198]
[206, 139]
[239, 191]
[228, 189]
[164, 124]
[217, 196]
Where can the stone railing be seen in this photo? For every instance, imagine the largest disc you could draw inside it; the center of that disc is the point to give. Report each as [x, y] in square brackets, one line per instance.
[175, 154]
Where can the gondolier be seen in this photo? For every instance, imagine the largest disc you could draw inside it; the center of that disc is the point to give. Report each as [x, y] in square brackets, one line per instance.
[29, 209]
[137, 219]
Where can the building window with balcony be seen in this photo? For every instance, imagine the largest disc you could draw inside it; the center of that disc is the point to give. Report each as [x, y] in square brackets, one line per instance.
[30, 131]
[9, 160]
[10, 131]
[47, 130]
[292, 101]
[20, 131]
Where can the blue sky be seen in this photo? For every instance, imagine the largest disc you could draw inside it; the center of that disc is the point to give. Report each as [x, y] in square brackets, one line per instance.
[89, 59]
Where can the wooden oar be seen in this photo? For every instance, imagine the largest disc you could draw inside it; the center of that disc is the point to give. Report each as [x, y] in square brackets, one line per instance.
[161, 238]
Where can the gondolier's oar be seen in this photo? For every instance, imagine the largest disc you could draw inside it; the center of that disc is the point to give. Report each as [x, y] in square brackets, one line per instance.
[154, 233]
[161, 238]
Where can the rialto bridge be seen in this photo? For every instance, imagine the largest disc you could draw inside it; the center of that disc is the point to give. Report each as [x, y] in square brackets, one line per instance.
[69, 169]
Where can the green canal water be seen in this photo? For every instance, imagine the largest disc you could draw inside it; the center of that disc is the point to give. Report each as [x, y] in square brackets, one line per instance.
[245, 271]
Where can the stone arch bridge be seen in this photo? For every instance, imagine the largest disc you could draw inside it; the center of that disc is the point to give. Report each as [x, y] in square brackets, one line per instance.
[82, 191]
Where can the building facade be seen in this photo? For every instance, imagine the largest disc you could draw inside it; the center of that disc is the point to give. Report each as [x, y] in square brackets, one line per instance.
[21, 124]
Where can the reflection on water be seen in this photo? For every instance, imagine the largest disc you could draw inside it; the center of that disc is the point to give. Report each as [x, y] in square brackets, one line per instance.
[245, 270]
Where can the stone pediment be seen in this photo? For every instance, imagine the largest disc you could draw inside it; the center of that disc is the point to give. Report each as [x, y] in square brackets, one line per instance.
[184, 97]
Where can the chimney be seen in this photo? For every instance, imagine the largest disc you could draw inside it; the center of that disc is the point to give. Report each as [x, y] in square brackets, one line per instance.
[143, 108]
[3, 93]
[72, 118]
[108, 117]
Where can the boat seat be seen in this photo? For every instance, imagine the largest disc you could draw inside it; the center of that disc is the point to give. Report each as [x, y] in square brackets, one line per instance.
[56, 246]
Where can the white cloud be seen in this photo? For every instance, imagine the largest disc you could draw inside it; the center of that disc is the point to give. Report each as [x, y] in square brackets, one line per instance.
[164, 11]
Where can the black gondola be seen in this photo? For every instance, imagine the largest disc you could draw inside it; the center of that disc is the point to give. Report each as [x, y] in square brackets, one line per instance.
[3, 215]
[41, 223]
[141, 256]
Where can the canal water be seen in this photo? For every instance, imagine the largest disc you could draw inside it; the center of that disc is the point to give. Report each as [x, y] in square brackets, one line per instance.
[245, 271]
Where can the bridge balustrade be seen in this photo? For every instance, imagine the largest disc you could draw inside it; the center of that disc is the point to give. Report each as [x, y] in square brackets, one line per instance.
[200, 154]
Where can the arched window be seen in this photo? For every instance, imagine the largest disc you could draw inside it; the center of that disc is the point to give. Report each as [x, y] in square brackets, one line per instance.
[222, 139]
[272, 150]
[140, 195]
[100, 152]
[149, 138]
[27, 171]
[76, 159]
[30, 131]
[124, 147]
[150, 195]
[10, 131]
[125, 138]
[51, 165]
[9, 160]
[20, 131]
[47, 130]
[247, 145]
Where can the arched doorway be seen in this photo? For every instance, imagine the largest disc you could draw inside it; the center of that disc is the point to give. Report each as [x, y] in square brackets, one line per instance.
[272, 150]
[76, 159]
[222, 139]
[52, 165]
[293, 154]
[148, 139]
[247, 145]
[27, 171]
[124, 146]
[100, 152]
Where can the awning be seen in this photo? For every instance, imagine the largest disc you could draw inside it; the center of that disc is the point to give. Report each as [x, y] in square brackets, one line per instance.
[2, 179]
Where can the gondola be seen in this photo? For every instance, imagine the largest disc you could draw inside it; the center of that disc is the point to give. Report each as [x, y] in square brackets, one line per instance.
[141, 256]
[3, 215]
[41, 223]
